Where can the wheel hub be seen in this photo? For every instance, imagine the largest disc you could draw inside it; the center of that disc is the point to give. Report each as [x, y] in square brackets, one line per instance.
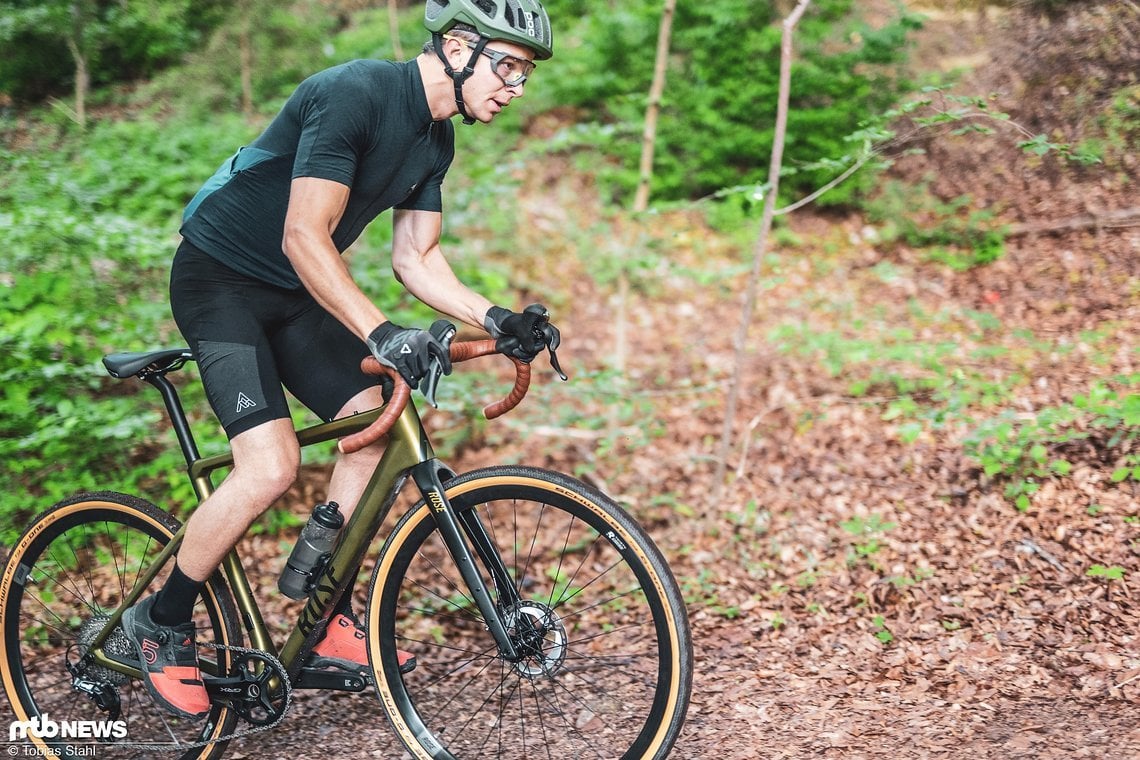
[540, 638]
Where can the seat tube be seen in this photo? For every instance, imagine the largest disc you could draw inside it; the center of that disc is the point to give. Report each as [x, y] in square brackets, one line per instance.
[427, 479]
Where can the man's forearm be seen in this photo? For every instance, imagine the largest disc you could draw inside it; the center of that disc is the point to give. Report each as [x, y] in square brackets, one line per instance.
[431, 279]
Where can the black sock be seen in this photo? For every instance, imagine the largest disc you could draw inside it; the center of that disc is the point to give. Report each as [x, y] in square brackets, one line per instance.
[174, 603]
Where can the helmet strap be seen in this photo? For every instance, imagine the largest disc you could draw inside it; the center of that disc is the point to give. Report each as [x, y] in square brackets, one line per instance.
[458, 78]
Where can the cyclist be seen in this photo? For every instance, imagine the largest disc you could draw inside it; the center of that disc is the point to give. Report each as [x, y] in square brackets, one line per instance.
[262, 295]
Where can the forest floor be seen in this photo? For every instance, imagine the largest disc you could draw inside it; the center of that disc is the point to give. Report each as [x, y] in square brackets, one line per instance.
[854, 595]
[860, 591]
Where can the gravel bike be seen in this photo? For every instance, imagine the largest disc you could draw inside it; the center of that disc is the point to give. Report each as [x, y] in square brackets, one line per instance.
[544, 621]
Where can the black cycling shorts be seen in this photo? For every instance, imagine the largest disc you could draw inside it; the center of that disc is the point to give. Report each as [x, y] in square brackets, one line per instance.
[250, 338]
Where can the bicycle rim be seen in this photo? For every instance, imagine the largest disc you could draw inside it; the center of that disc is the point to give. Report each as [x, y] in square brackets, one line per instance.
[69, 571]
[608, 662]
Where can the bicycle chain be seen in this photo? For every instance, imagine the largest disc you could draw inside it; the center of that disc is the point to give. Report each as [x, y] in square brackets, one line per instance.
[281, 673]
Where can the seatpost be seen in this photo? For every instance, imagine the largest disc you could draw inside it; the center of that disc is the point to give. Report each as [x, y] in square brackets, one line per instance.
[177, 414]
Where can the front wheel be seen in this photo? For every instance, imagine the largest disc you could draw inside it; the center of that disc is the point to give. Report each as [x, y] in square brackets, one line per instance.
[67, 574]
[594, 611]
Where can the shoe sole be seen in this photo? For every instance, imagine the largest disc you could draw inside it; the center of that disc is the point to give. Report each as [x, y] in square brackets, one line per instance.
[128, 624]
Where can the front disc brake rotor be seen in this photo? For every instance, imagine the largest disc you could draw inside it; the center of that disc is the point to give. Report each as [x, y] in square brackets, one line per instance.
[540, 637]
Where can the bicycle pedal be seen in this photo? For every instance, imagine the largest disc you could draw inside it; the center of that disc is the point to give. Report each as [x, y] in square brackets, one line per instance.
[336, 679]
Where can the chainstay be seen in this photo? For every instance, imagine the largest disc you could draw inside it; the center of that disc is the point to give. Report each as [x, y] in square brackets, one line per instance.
[182, 747]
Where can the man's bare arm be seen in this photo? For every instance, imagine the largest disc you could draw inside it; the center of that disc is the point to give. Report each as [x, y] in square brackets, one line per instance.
[420, 265]
[315, 209]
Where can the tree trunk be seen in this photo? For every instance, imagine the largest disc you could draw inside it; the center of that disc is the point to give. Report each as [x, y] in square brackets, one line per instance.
[740, 342]
[394, 29]
[245, 51]
[82, 82]
[656, 90]
[645, 175]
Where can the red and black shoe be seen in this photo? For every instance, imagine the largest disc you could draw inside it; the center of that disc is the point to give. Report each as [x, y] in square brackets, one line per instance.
[344, 646]
[169, 661]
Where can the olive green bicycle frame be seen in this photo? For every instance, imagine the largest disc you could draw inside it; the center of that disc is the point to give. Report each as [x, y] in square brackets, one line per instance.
[408, 451]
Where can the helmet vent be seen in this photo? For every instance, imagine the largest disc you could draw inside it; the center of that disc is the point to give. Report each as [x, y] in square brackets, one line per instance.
[523, 22]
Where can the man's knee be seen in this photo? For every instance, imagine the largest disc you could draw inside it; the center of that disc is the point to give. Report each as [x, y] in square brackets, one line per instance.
[267, 461]
[270, 477]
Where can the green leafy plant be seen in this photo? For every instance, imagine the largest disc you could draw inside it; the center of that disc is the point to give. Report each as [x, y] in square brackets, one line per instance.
[703, 590]
[951, 231]
[869, 531]
[1113, 573]
[1016, 448]
[880, 630]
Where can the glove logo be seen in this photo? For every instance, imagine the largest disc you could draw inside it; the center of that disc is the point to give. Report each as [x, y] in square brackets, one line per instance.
[405, 349]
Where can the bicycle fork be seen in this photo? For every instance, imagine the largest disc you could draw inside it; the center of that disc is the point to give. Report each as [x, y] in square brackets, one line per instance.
[453, 527]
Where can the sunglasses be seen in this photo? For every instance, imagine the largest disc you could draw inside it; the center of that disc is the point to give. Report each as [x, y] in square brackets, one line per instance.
[512, 70]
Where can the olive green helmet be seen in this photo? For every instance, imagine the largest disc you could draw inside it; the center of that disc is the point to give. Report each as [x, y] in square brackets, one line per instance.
[523, 22]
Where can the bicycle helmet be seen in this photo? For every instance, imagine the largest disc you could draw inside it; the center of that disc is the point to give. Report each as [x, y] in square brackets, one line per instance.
[523, 22]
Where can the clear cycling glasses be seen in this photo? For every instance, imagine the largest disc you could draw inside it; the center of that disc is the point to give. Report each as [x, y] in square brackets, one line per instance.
[512, 70]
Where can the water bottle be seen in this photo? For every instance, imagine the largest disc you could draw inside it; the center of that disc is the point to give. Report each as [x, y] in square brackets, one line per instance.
[314, 543]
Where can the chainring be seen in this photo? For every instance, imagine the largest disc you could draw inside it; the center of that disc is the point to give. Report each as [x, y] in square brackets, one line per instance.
[266, 703]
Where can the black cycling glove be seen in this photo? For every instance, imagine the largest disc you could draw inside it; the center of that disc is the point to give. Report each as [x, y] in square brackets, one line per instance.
[408, 350]
[524, 335]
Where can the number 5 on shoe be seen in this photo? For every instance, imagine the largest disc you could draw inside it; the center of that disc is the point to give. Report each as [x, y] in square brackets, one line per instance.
[168, 658]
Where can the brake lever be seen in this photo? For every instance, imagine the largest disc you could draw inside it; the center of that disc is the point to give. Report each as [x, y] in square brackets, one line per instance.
[554, 363]
[444, 332]
[540, 335]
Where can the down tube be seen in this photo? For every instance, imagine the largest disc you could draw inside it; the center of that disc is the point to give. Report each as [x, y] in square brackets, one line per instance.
[407, 447]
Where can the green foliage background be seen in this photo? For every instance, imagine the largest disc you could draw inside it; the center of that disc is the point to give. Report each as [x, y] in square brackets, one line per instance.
[122, 40]
[88, 221]
[716, 125]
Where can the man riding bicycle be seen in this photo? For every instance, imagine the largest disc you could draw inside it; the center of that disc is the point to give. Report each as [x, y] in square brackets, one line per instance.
[260, 291]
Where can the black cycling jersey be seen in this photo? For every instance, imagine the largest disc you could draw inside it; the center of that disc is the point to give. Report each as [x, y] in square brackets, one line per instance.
[365, 124]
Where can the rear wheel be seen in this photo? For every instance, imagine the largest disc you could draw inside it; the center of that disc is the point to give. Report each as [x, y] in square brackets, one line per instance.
[606, 663]
[67, 574]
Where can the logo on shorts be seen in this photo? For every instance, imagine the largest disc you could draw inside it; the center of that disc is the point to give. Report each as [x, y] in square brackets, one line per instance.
[244, 402]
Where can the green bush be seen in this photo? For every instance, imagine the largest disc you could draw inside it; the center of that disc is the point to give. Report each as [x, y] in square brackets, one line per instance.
[75, 287]
[121, 41]
[719, 106]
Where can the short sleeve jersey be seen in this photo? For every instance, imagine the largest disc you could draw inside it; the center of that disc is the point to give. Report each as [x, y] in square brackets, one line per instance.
[364, 124]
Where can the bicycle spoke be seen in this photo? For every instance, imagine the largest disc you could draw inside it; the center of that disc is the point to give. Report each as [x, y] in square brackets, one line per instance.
[541, 722]
[79, 565]
[585, 618]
